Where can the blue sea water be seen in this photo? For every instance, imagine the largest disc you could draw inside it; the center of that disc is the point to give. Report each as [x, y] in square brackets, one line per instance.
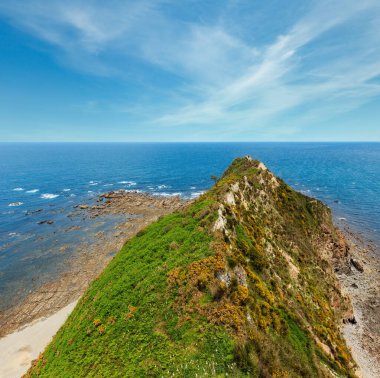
[54, 177]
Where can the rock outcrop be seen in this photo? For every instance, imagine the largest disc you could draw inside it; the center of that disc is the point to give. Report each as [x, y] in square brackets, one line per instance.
[239, 283]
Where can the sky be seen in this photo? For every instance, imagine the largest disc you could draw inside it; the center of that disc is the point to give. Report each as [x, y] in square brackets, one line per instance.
[223, 70]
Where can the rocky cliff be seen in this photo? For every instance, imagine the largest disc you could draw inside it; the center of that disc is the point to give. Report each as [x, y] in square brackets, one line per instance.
[238, 283]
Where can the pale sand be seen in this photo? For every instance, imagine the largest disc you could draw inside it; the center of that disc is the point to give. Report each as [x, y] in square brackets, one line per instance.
[20, 348]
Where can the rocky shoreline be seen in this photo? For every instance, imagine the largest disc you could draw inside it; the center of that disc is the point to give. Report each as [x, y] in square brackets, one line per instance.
[89, 261]
[360, 280]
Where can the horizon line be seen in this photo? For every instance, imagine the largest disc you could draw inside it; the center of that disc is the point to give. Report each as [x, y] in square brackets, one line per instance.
[191, 141]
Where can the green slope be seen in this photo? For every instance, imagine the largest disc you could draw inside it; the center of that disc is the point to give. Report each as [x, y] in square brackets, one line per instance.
[239, 283]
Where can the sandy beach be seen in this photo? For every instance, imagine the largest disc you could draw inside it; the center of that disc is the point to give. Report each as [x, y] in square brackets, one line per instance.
[20, 348]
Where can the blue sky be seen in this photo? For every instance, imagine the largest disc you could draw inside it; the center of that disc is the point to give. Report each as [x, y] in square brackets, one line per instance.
[189, 70]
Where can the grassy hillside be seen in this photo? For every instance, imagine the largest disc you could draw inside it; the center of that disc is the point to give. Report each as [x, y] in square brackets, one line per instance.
[239, 283]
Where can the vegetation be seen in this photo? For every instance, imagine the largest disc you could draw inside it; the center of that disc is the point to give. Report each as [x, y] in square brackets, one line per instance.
[236, 284]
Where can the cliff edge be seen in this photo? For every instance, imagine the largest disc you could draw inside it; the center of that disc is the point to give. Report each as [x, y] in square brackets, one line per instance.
[238, 283]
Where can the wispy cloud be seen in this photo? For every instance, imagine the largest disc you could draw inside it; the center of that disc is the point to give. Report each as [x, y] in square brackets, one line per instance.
[217, 76]
[279, 81]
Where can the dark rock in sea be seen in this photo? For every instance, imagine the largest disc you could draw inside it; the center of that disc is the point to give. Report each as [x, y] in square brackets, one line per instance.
[107, 195]
[48, 221]
[33, 211]
[356, 264]
[81, 206]
[72, 228]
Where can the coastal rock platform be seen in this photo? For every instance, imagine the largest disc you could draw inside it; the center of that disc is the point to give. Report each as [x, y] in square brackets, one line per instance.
[89, 260]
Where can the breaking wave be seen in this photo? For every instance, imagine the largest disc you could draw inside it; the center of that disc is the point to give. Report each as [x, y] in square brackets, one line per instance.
[49, 196]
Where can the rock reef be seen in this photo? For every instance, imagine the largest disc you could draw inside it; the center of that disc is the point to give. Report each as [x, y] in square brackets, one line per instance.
[87, 262]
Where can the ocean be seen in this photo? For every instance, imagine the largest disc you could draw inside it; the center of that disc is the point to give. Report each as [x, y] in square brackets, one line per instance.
[53, 177]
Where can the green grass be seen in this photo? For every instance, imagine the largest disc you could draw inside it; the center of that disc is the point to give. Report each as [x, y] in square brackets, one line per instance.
[160, 308]
[149, 341]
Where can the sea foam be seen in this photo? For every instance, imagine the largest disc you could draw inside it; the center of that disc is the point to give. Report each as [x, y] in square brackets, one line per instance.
[33, 191]
[129, 183]
[18, 189]
[49, 196]
[196, 194]
[16, 204]
[165, 194]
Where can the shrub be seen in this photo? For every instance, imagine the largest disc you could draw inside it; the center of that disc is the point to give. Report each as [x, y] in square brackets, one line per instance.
[97, 322]
[102, 329]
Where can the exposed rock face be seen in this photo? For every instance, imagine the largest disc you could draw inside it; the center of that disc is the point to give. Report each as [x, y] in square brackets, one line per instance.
[239, 283]
[300, 248]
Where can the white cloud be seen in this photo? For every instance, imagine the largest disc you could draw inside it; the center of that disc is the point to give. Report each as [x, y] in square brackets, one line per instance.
[221, 78]
[279, 82]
